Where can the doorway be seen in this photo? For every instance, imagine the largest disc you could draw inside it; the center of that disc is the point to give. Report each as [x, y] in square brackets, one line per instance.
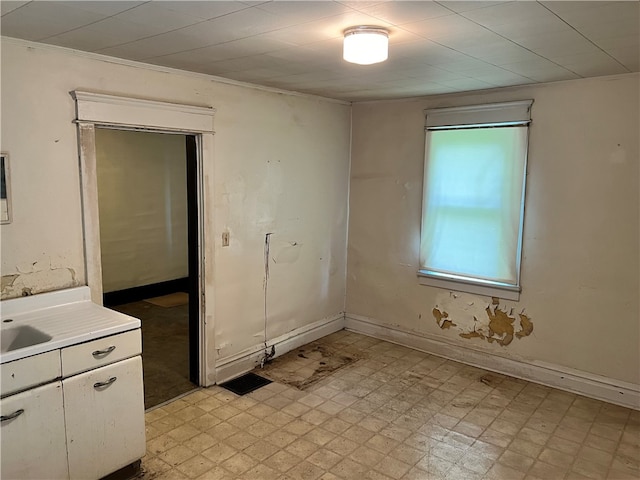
[100, 110]
[148, 213]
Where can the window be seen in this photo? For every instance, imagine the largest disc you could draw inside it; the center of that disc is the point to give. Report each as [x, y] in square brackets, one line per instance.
[473, 201]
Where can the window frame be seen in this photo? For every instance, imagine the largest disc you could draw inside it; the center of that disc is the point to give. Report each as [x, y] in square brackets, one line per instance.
[504, 114]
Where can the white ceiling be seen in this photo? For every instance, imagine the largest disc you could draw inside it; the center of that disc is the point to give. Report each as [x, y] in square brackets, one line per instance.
[435, 46]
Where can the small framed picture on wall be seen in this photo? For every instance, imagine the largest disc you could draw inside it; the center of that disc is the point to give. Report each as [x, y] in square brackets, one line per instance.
[5, 189]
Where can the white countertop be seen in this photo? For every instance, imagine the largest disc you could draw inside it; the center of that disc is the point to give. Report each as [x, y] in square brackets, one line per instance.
[68, 316]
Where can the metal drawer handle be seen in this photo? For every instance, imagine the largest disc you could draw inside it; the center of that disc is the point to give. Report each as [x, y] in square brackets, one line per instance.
[13, 415]
[104, 384]
[106, 351]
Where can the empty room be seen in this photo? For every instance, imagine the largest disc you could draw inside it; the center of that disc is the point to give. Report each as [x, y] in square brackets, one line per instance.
[320, 240]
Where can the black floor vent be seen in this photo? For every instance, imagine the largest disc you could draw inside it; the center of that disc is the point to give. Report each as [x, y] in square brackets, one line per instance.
[246, 383]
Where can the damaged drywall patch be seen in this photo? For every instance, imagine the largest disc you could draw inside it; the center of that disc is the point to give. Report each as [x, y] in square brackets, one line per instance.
[7, 281]
[478, 317]
[37, 277]
[289, 253]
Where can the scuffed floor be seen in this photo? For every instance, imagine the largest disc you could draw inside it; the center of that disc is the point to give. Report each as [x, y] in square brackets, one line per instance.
[389, 413]
[305, 366]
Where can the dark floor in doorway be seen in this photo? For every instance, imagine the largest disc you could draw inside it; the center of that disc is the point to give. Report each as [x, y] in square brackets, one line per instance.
[165, 350]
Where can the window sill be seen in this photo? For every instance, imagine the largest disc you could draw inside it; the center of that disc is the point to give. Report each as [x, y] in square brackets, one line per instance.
[469, 285]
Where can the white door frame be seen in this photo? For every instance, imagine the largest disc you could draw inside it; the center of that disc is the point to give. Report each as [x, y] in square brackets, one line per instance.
[100, 110]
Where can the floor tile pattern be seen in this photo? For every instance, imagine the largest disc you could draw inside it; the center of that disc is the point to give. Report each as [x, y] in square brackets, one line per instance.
[396, 413]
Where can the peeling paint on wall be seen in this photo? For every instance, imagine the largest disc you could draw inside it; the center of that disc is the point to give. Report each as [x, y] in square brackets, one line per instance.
[37, 277]
[443, 321]
[478, 317]
[7, 280]
[527, 326]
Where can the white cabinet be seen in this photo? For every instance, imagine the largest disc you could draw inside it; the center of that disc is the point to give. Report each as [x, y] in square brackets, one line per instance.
[85, 422]
[104, 411]
[33, 434]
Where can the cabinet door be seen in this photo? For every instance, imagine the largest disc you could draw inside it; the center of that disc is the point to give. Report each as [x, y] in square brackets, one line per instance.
[32, 430]
[104, 411]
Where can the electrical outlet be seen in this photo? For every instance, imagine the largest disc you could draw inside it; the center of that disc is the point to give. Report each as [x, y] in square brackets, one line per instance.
[225, 239]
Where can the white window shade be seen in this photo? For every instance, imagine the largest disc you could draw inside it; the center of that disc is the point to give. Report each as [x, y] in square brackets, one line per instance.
[473, 202]
[480, 115]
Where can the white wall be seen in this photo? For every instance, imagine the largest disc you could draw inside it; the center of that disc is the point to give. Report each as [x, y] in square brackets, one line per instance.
[580, 250]
[281, 166]
[142, 195]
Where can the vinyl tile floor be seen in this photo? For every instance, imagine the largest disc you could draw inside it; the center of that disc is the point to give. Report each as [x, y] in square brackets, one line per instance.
[394, 413]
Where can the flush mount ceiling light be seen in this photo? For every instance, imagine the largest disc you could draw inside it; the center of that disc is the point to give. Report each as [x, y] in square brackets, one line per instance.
[366, 45]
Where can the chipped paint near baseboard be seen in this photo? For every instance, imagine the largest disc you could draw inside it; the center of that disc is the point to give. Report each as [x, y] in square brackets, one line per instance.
[480, 317]
[569, 379]
[236, 365]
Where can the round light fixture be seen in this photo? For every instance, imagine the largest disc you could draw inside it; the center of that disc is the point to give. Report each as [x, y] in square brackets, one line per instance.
[366, 45]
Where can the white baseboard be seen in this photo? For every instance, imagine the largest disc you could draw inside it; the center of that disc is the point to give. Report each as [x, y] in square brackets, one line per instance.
[240, 363]
[575, 381]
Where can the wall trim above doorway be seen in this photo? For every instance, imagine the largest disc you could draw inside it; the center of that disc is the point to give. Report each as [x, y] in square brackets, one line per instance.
[137, 112]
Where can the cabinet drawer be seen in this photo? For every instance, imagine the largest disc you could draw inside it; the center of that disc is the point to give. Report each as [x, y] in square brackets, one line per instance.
[29, 372]
[86, 356]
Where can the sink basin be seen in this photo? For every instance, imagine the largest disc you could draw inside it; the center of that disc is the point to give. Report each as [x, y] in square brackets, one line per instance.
[20, 337]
